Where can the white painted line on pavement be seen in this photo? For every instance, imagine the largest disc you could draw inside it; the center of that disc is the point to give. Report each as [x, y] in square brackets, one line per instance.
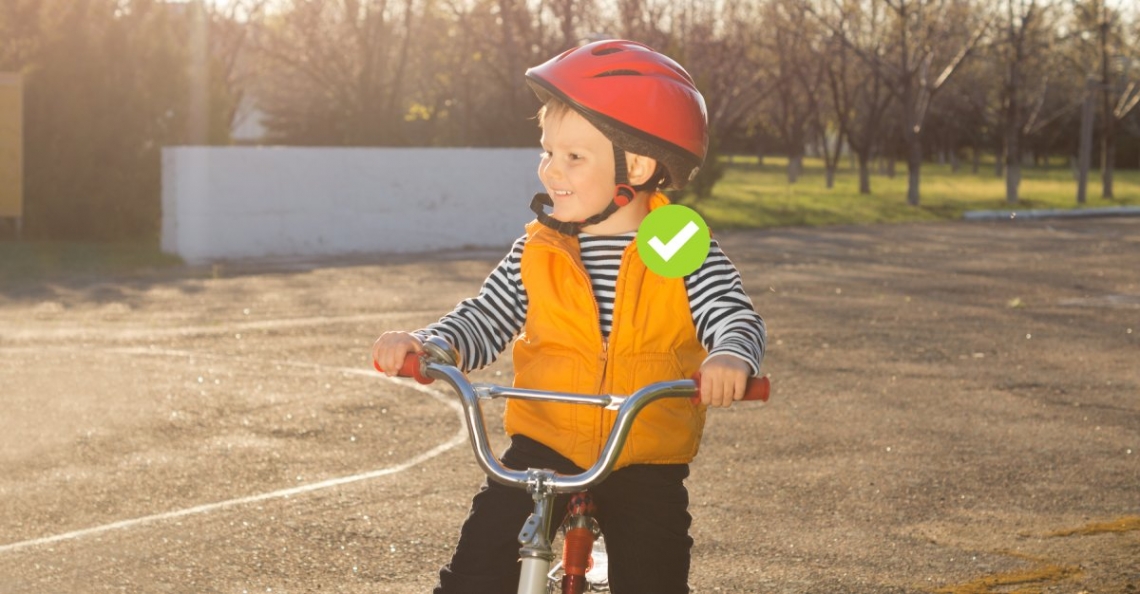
[457, 439]
[126, 333]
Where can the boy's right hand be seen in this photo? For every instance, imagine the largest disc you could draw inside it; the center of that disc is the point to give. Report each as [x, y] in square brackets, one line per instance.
[390, 350]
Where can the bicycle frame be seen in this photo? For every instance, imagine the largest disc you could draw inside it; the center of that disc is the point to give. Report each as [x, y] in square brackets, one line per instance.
[439, 362]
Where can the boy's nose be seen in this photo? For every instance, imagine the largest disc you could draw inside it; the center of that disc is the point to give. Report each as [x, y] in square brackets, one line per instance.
[549, 171]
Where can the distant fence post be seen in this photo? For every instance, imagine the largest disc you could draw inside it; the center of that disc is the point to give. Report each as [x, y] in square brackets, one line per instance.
[12, 149]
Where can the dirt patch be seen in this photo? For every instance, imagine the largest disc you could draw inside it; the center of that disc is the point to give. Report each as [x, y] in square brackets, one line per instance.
[955, 409]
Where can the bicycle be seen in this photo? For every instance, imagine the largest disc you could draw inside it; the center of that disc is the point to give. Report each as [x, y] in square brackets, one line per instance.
[440, 361]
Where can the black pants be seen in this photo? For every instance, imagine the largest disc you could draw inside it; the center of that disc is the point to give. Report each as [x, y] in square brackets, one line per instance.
[642, 510]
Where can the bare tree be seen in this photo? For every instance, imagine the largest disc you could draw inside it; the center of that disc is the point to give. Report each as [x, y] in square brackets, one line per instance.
[572, 18]
[1101, 51]
[1130, 98]
[819, 70]
[969, 110]
[231, 27]
[1106, 19]
[105, 88]
[832, 123]
[644, 21]
[927, 42]
[796, 76]
[1120, 94]
[1023, 45]
[510, 29]
[859, 96]
[914, 81]
[727, 66]
[338, 71]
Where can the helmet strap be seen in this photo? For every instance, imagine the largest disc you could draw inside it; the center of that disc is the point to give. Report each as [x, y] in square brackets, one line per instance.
[623, 195]
[566, 228]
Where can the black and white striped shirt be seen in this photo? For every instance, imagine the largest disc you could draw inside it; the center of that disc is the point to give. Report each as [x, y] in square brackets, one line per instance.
[726, 322]
[601, 254]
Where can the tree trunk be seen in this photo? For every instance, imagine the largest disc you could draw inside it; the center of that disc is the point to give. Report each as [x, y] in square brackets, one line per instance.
[1012, 182]
[1084, 157]
[795, 167]
[1013, 160]
[864, 173]
[568, 37]
[830, 176]
[1108, 152]
[999, 158]
[913, 169]
[1108, 155]
[506, 12]
[198, 120]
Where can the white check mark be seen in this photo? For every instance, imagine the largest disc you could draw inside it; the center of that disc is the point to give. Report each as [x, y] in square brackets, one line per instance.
[668, 250]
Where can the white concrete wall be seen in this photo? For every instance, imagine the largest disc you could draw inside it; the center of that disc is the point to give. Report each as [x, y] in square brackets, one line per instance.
[249, 202]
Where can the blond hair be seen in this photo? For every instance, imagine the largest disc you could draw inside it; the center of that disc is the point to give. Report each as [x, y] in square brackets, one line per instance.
[554, 107]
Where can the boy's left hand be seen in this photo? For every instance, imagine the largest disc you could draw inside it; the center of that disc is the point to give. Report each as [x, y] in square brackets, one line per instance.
[723, 380]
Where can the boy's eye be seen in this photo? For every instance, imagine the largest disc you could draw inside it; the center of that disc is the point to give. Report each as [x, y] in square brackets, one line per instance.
[568, 156]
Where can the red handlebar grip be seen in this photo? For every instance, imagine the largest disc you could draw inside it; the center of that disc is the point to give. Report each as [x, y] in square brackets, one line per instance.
[410, 368]
[758, 388]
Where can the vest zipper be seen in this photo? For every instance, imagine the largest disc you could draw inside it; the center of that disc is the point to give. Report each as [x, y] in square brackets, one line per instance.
[604, 357]
[602, 430]
[604, 363]
[619, 294]
[604, 360]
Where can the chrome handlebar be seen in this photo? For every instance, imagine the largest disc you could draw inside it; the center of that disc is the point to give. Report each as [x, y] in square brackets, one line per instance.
[439, 360]
[627, 410]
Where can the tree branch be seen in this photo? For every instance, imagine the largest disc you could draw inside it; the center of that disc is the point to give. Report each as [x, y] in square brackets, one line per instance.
[1128, 101]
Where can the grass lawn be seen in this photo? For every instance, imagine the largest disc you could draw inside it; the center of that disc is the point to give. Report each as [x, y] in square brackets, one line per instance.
[749, 196]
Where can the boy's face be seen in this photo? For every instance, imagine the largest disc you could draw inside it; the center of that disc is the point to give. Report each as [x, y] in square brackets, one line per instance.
[577, 166]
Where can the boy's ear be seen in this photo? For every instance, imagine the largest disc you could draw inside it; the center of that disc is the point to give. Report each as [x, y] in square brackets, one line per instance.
[640, 167]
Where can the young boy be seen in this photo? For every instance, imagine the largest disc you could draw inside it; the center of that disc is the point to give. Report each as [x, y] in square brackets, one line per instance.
[585, 314]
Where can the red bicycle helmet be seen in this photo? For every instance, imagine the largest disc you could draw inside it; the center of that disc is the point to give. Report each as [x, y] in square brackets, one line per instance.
[642, 100]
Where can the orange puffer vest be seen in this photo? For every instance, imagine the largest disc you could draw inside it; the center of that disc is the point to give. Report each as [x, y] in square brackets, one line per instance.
[561, 348]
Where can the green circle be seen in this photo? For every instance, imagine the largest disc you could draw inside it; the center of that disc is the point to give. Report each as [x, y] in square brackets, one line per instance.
[673, 240]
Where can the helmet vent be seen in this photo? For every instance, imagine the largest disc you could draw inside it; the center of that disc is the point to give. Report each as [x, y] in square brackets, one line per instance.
[619, 73]
[605, 51]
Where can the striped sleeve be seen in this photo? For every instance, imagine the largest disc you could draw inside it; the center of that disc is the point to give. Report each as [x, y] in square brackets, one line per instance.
[483, 326]
[726, 321]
